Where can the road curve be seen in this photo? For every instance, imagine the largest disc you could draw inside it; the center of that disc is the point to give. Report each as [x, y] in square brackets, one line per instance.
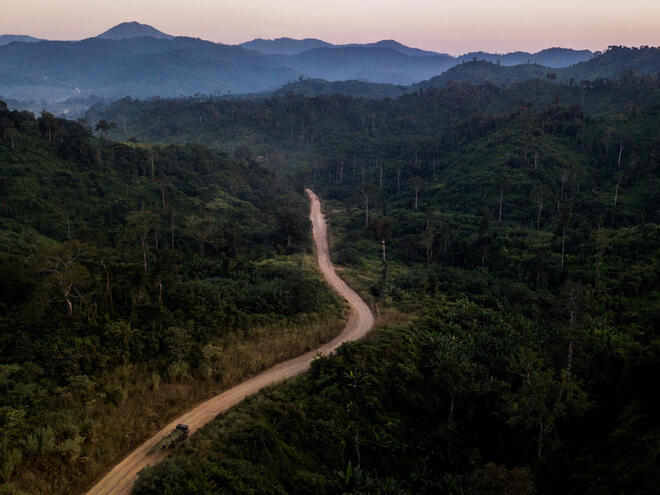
[119, 480]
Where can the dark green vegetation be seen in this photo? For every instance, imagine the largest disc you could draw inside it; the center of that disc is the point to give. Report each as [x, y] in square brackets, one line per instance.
[519, 229]
[134, 281]
[357, 89]
[296, 129]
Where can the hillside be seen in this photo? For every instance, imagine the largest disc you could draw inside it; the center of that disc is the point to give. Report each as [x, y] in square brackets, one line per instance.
[550, 57]
[298, 124]
[356, 89]
[482, 72]
[517, 231]
[608, 65]
[135, 280]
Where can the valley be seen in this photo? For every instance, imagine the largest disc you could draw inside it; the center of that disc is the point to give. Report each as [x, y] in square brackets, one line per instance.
[319, 263]
[120, 479]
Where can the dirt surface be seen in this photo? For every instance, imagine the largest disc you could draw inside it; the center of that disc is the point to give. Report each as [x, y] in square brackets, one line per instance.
[120, 479]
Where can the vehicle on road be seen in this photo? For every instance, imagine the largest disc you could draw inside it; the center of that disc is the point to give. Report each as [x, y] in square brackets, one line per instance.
[179, 434]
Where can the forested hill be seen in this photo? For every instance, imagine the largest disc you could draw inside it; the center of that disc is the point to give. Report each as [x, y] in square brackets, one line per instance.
[134, 281]
[300, 124]
[518, 229]
[608, 65]
[484, 68]
[354, 88]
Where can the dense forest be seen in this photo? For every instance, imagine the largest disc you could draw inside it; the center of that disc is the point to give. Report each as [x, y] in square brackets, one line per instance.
[135, 280]
[514, 231]
[506, 236]
[290, 129]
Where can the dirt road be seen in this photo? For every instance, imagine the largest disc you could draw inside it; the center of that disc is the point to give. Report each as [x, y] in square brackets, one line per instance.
[120, 479]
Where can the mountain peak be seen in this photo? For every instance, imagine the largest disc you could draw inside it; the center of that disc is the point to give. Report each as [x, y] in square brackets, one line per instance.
[132, 30]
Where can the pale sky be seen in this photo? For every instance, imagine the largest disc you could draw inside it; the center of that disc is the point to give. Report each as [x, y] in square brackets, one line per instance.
[455, 27]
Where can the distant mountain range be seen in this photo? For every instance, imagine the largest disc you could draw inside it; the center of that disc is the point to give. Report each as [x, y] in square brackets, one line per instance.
[551, 57]
[139, 67]
[369, 63]
[137, 60]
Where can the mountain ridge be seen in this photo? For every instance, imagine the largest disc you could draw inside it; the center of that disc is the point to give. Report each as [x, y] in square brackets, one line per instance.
[137, 60]
[5, 39]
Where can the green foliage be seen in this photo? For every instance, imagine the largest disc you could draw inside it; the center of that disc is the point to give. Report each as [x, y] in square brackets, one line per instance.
[122, 259]
[521, 227]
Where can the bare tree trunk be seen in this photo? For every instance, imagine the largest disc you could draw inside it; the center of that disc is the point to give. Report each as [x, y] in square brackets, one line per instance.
[416, 197]
[539, 451]
[381, 175]
[366, 211]
[69, 306]
[538, 217]
[108, 292]
[383, 243]
[172, 228]
[144, 255]
[569, 365]
[499, 219]
[616, 192]
[398, 180]
[162, 192]
[357, 443]
[618, 163]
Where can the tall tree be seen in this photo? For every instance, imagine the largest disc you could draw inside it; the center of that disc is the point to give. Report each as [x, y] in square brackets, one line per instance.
[64, 273]
[417, 184]
[140, 224]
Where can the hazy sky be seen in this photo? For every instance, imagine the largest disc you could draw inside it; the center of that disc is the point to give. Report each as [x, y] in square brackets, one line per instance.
[453, 26]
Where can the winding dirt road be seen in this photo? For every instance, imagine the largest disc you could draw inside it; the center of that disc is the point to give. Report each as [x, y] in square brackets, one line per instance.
[120, 479]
